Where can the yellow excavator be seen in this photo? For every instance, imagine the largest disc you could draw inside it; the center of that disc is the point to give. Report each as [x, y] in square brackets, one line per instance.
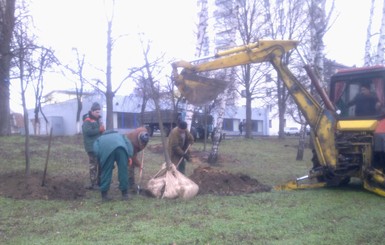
[348, 141]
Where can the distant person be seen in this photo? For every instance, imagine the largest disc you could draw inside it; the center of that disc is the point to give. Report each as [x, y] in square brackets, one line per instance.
[179, 140]
[139, 139]
[241, 126]
[367, 103]
[109, 148]
[92, 128]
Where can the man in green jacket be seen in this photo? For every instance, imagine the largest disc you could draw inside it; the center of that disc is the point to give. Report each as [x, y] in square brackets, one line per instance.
[109, 148]
[92, 128]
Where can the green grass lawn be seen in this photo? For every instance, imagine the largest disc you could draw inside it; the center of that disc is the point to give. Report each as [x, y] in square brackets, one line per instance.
[348, 215]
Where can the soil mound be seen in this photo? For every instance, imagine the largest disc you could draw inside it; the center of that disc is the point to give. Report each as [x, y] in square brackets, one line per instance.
[16, 185]
[220, 182]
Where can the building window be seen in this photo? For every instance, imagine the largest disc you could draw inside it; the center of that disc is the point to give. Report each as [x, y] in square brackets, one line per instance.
[257, 126]
[228, 124]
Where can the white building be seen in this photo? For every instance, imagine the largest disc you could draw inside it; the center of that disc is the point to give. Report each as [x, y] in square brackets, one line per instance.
[61, 108]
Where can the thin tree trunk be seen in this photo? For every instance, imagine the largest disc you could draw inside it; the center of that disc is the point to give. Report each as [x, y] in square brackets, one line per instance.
[381, 40]
[26, 126]
[368, 43]
[200, 50]
[78, 116]
[6, 30]
[109, 94]
[189, 115]
[301, 143]
[213, 157]
[281, 108]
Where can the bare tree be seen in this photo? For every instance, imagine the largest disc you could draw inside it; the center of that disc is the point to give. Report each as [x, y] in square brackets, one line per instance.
[108, 92]
[79, 84]
[45, 60]
[7, 21]
[23, 48]
[225, 35]
[381, 40]
[143, 90]
[284, 20]
[150, 73]
[374, 55]
[251, 78]
[319, 23]
[368, 45]
[201, 48]
[105, 87]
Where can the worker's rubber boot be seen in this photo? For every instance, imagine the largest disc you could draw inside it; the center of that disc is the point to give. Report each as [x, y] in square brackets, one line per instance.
[105, 197]
[125, 196]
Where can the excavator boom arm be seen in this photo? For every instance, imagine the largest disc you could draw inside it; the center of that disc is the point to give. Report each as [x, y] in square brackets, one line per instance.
[191, 85]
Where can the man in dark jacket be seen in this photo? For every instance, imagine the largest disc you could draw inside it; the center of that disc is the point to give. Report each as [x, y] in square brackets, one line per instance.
[366, 102]
[109, 148]
[92, 128]
[179, 140]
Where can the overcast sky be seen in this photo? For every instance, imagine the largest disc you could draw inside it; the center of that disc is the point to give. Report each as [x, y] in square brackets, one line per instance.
[170, 24]
[345, 41]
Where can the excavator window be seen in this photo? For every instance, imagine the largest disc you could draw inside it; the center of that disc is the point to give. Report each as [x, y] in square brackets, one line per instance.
[359, 94]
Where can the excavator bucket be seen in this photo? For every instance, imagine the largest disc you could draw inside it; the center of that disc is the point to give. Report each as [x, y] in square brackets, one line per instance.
[199, 90]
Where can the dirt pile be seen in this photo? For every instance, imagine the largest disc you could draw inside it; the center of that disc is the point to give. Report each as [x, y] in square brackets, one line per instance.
[16, 185]
[219, 182]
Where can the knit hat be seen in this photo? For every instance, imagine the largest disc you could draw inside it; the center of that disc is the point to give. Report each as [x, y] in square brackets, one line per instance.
[138, 137]
[95, 106]
[144, 137]
[182, 125]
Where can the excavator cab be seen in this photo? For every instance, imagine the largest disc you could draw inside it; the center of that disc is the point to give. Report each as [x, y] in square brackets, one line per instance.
[359, 93]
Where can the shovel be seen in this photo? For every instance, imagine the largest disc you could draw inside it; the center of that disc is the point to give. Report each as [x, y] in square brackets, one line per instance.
[138, 189]
[180, 160]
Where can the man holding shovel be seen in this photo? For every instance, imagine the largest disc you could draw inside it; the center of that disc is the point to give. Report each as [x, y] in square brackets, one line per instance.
[139, 139]
[179, 141]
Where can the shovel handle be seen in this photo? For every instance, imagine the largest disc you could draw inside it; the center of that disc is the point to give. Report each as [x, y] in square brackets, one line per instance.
[180, 160]
[140, 173]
